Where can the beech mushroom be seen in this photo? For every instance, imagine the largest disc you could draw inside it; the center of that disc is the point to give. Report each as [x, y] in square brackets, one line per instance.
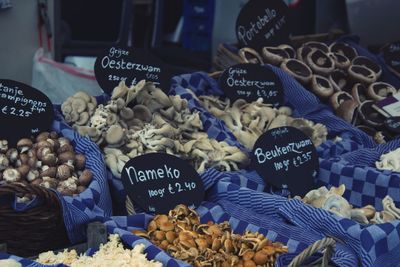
[338, 98]
[274, 55]
[338, 80]
[298, 70]
[359, 93]
[320, 62]
[380, 90]
[369, 64]
[362, 74]
[343, 49]
[369, 115]
[321, 86]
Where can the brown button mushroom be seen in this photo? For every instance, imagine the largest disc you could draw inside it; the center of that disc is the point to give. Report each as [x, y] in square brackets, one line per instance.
[343, 49]
[340, 60]
[49, 159]
[49, 172]
[32, 175]
[66, 157]
[338, 98]
[359, 93]
[369, 115]
[320, 62]
[80, 161]
[368, 63]
[24, 145]
[85, 178]
[298, 70]
[348, 111]
[11, 175]
[63, 172]
[321, 86]
[380, 90]
[274, 55]
[361, 74]
[23, 170]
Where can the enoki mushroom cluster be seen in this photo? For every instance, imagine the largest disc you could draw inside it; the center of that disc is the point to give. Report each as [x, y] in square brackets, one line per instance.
[182, 235]
[141, 119]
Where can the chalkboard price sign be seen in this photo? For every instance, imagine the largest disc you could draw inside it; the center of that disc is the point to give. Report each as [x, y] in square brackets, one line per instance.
[118, 64]
[158, 182]
[286, 158]
[393, 124]
[263, 23]
[391, 54]
[250, 82]
[24, 111]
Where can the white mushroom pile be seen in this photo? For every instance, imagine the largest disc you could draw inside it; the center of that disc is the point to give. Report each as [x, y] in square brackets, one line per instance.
[333, 201]
[248, 121]
[110, 254]
[142, 119]
[389, 161]
[48, 160]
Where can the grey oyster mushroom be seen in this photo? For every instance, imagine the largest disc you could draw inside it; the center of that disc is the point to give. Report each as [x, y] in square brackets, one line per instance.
[389, 161]
[142, 119]
[78, 108]
[248, 121]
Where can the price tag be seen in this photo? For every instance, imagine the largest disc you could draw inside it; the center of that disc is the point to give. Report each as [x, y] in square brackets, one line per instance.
[118, 64]
[263, 23]
[393, 124]
[250, 82]
[391, 54]
[286, 158]
[158, 182]
[24, 111]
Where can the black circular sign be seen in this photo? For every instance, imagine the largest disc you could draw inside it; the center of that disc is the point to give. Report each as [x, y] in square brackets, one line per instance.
[118, 64]
[24, 111]
[250, 82]
[391, 54]
[286, 158]
[158, 182]
[263, 23]
[393, 124]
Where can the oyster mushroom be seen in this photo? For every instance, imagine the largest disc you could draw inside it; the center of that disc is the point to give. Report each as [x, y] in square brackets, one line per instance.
[343, 49]
[361, 74]
[338, 205]
[114, 135]
[389, 206]
[369, 115]
[380, 90]
[142, 113]
[274, 55]
[347, 110]
[298, 70]
[78, 105]
[83, 118]
[320, 62]
[338, 98]
[321, 86]
[369, 64]
[382, 217]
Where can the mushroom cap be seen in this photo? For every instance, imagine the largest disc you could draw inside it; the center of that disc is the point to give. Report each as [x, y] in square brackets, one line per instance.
[339, 81]
[24, 143]
[80, 161]
[66, 157]
[368, 63]
[338, 98]
[303, 51]
[83, 118]
[369, 115]
[341, 61]
[359, 93]
[126, 114]
[85, 178]
[320, 62]
[142, 113]
[289, 50]
[298, 70]
[380, 90]
[114, 134]
[361, 74]
[321, 86]
[343, 49]
[317, 45]
[249, 55]
[78, 105]
[11, 175]
[63, 172]
[274, 55]
[83, 95]
[348, 110]
[49, 172]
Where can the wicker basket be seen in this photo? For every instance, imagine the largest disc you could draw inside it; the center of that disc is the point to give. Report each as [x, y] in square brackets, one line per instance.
[36, 229]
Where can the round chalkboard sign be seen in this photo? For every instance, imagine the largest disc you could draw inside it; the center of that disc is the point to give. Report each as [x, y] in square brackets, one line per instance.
[118, 64]
[286, 158]
[250, 82]
[24, 111]
[393, 124]
[158, 182]
[391, 54]
[263, 23]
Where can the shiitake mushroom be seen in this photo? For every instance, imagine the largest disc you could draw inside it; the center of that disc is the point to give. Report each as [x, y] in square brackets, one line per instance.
[298, 70]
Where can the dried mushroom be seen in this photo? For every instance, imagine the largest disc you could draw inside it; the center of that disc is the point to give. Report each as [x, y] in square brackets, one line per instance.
[333, 201]
[49, 161]
[248, 121]
[181, 234]
[141, 119]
